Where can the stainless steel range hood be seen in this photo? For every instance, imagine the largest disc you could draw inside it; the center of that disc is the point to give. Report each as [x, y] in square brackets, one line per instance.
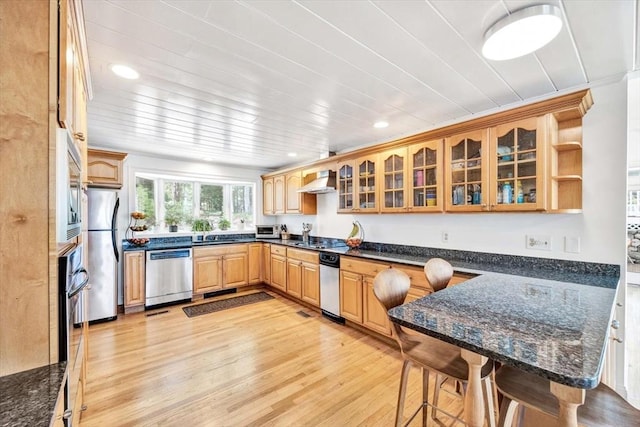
[325, 182]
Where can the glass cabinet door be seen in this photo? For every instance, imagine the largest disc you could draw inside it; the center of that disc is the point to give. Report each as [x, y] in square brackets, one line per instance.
[466, 172]
[367, 184]
[517, 163]
[425, 169]
[393, 180]
[345, 187]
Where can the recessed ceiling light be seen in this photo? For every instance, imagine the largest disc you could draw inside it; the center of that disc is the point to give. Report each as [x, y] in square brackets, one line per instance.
[524, 31]
[292, 154]
[380, 124]
[124, 72]
[207, 159]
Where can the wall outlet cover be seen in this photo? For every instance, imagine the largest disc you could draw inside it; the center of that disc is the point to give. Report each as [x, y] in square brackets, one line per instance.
[572, 244]
[538, 242]
[445, 236]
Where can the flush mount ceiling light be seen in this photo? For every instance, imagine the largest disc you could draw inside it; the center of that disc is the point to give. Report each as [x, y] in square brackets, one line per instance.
[380, 125]
[124, 72]
[524, 31]
[292, 154]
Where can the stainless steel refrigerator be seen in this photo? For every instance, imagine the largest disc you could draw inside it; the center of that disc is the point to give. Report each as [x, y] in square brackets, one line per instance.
[103, 253]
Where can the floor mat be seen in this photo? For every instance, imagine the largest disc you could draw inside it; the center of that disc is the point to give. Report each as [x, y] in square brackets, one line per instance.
[213, 306]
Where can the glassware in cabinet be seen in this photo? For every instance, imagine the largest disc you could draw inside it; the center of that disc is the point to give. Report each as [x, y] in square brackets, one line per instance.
[518, 165]
[466, 158]
[393, 180]
[425, 169]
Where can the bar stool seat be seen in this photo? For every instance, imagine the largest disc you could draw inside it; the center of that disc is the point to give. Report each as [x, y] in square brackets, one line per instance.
[602, 406]
[432, 355]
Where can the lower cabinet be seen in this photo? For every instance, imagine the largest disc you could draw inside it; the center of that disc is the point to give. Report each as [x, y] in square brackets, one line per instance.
[279, 267]
[134, 285]
[255, 263]
[266, 263]
[220, 267]
[358, 302]
[303, 275]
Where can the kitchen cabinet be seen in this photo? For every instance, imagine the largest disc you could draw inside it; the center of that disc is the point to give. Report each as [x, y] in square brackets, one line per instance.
[467, 172]
[351, 296]
[220, 267]
[255, 263]
[502, 168]
[104, 168]
[358, 185]
[426, 176]
[266, 263]
[279, 267]
[393, 197]
[134, 281]
[73, 78]
[565, 165]
[299, 203]
[58, 412]
[303, 275]
[280, 194]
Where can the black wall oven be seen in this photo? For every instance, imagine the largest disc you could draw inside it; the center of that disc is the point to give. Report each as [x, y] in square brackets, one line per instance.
[72, 278]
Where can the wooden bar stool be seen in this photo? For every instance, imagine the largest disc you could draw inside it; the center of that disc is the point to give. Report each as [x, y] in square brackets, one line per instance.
[432, 355]
[602, 406]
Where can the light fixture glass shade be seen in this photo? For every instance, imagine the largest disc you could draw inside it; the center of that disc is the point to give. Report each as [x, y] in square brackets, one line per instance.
[524, 31]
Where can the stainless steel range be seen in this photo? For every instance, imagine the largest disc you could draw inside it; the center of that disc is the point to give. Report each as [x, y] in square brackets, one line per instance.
[330, 286]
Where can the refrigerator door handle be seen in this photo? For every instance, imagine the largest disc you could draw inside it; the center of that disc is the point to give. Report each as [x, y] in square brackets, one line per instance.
[114, 218]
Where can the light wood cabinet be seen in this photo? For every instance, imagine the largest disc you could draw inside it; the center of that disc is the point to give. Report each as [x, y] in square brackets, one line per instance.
[220, 267]
[303, 275]
[58, 412]
[279, 267]
[255, 263]
[351, 296]
[358, 185]
[104, 168]
[565, 165]
[134, 281]
[266, 263]
[374, 315]
[466, 172]
[394, 185]
[73, 80]
[207, 272]
[280, 195]
[426, 177]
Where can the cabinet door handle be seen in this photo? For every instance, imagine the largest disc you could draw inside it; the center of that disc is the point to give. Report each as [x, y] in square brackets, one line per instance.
[67, 414]
[616, 339]
[79, 136]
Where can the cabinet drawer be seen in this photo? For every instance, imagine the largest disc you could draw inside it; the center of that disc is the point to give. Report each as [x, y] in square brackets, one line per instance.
[303, 255]
[220, 250]
[366, 268]
[416, 274]
[280, 250]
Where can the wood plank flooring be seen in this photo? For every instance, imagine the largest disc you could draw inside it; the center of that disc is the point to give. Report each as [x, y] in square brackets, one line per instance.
[258, 365]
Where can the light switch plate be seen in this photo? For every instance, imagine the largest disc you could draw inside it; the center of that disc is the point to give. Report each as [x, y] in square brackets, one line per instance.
[538, 241]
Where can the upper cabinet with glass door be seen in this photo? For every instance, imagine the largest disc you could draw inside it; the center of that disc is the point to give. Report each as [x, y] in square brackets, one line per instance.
[466, 172]
[394, 172]
[425, 174]
[518, 166]
[358, 185]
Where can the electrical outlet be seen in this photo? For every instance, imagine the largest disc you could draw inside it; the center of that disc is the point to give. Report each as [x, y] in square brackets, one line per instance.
[445, 236]
[538, 241]
[572, 244]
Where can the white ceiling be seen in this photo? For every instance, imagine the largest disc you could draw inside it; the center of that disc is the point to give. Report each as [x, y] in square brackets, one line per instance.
[246, 82]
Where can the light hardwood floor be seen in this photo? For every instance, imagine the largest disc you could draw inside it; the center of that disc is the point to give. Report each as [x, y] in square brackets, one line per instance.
[261, 365]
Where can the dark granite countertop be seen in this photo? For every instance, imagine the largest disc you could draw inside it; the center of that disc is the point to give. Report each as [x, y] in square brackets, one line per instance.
[553, 329]
[28, 398]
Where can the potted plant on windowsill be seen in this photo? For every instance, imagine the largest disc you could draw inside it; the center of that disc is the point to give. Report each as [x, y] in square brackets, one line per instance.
[224, 224]
[201, 226]
[173, 217]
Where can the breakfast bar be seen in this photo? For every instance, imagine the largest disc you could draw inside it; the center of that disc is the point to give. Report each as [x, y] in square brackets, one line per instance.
[554, 329]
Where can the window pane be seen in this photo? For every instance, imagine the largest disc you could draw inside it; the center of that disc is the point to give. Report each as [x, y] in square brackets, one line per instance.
[241, 205]
[145, 198]
[211, 201]
[178, 202]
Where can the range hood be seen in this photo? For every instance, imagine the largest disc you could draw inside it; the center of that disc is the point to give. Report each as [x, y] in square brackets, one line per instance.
[325, 182]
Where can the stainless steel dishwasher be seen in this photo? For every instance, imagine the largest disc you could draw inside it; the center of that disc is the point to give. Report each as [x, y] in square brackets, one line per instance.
[330, 286]
[169, 276]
